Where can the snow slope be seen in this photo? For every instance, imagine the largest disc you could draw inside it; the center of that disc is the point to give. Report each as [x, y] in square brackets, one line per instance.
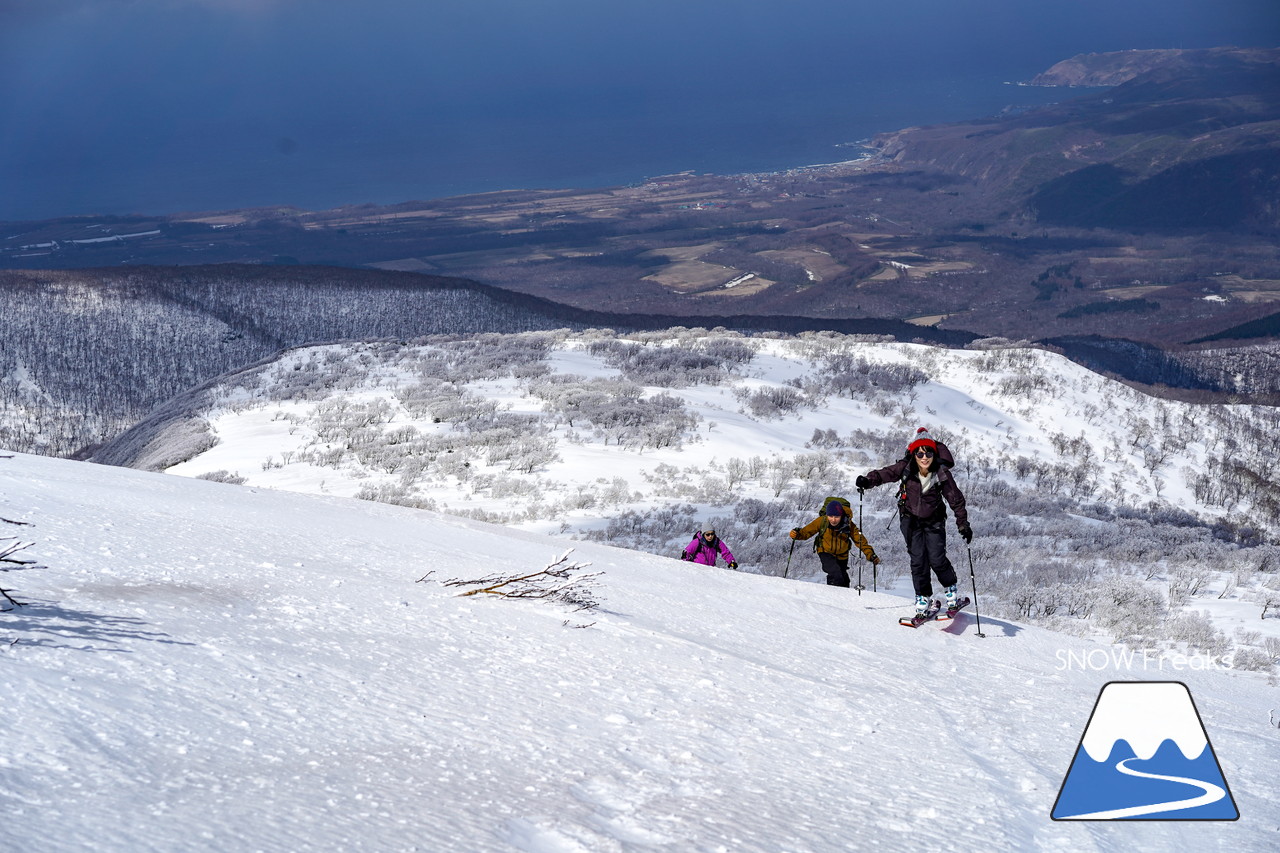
[335, 420]
[212, 667]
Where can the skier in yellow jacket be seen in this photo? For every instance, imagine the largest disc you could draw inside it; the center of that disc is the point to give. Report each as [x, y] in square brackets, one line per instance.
[837, 534]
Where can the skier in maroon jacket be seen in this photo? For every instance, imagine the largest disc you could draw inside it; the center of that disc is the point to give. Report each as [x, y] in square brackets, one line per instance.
[926, 481]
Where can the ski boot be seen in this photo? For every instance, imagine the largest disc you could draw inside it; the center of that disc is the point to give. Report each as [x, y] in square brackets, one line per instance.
[922, 604]
[952, 597]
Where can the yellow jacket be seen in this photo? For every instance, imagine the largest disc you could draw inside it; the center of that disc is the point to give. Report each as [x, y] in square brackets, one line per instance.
[836, 541]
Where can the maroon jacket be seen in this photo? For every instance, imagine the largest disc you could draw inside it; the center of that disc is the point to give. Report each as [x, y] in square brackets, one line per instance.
[919, 502]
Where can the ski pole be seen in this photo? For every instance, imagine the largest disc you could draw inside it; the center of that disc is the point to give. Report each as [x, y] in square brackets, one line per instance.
[974, 582]
[874, 567]
[860, 586]
[789, 553]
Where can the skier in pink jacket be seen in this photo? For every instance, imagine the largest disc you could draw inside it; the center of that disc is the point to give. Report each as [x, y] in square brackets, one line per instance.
[705, 547]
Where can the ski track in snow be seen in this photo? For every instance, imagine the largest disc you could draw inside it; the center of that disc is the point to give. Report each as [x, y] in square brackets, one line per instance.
[211, 667]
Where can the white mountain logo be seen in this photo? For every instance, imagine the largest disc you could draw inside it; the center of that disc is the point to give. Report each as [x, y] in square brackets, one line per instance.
[1145, 755]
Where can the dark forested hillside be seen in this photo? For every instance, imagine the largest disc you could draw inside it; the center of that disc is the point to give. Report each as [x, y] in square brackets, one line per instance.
[85, 354]
[1251, 372]
[1232, 191]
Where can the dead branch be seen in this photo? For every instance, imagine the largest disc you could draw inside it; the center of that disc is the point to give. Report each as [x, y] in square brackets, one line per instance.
[7, 551]
[6, 556]
[560, 581]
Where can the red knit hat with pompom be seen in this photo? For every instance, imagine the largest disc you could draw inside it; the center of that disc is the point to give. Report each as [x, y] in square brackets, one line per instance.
[923, 439]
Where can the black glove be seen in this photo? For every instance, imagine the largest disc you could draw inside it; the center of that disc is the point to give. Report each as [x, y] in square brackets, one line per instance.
[862, 482]
[966, 533]
[686, 556]
[733, 565]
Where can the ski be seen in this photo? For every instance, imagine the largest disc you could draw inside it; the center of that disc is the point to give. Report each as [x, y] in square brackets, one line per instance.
[920, 618]
[950, 613]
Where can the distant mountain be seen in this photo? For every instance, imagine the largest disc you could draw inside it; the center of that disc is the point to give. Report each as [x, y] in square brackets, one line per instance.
[1185, 140]
[1107, 69]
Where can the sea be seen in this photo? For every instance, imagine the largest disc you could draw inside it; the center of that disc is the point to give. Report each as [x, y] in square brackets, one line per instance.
[553, 143]
[158, 107]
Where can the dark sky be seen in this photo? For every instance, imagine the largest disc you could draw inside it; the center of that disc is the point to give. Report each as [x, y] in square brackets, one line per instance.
[113, 105]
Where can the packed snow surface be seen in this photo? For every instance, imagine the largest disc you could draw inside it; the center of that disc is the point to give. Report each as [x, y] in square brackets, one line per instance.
[212, 667]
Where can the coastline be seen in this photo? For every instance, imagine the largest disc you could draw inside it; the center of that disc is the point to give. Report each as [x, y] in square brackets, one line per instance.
[531, 153]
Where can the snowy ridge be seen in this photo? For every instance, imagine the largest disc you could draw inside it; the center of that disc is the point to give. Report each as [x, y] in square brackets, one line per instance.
[993, 407]
[209, 667]
[1124, 713]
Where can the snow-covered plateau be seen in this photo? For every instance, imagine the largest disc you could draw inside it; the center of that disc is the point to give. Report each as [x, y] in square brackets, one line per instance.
[202, 666]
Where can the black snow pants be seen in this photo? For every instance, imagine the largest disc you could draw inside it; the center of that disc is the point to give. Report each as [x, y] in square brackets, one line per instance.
[927, 544]
[837, 570]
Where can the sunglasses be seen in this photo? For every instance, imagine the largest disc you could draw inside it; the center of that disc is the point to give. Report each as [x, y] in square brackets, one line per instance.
[924, 453]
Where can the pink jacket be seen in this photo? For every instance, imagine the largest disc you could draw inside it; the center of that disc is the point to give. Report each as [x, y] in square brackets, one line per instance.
[702, 551]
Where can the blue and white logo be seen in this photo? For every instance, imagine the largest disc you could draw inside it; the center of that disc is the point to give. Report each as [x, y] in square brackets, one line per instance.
[1145, 755]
